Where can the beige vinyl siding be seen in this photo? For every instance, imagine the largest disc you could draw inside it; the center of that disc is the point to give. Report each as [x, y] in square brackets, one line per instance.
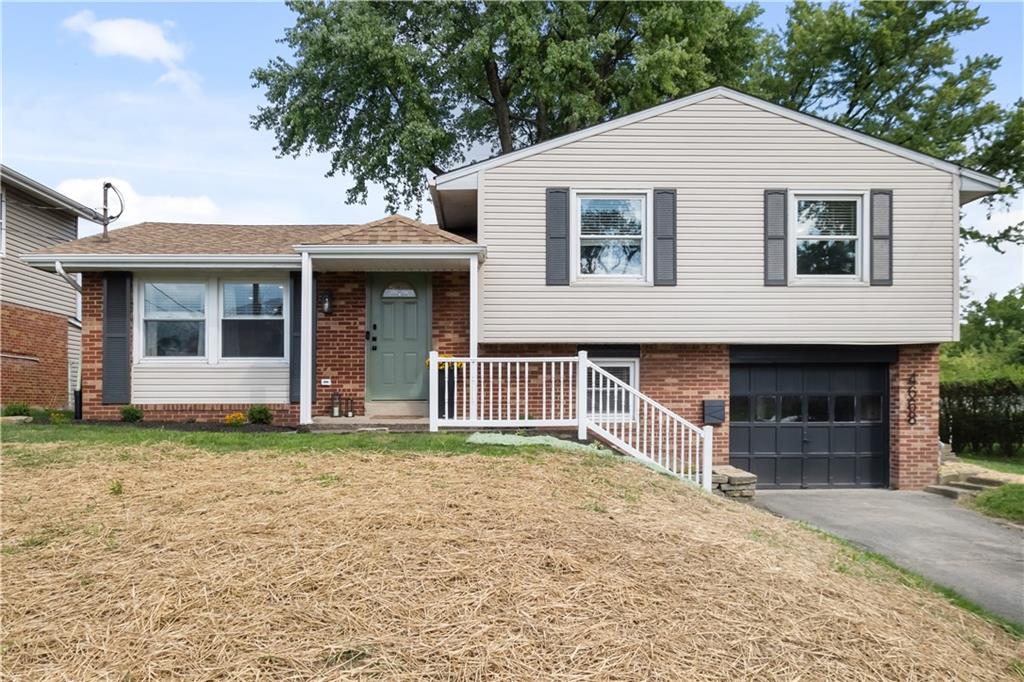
[720, 155]
[200, 383]
[30, 227]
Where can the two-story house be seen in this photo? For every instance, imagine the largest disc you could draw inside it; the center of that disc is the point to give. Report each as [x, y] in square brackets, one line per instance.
[39, 322]
[715, 278]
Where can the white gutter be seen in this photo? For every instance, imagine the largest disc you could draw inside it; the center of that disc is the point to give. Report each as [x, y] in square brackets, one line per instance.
[67, 277]
[397, 251]
[94, 261]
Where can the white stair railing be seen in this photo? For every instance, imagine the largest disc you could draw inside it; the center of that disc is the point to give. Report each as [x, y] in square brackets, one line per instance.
[566, 392]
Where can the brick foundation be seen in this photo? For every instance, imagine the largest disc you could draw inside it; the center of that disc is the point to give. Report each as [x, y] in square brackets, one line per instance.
[34, 358]
[914, 448]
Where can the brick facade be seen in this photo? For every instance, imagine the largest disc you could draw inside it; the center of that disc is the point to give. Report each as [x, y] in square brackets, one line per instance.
[914, 448]
[34, 357]
[450, 325]
[92, 351]
[341, 341]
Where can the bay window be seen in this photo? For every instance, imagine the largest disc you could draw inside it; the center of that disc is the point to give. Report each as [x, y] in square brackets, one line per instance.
[611, 235]
[252, 320]
[174, 319]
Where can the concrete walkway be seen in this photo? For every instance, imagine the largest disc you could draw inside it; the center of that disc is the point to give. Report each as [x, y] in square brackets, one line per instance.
[978, 557]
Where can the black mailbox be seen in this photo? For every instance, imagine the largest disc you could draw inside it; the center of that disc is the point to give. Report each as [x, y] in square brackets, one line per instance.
[714, 412]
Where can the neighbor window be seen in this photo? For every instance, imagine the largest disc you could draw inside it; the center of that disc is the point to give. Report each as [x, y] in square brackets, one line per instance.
[607, 398]
[252, 320]
[611, 235]
[827, 236]
[174, 319]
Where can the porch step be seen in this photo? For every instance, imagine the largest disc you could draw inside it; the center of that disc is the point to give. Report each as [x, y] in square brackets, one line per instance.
[985, 481]
[950, 491]
[364, 425]
[972, 487]
[385, 409]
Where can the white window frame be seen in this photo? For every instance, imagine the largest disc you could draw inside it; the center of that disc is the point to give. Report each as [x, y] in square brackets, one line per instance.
[646, 242]
[139, 320]
[860, 276]
[634, 374]
[285, 283]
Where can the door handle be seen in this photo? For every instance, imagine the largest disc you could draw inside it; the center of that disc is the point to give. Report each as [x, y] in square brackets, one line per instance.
[373, 347]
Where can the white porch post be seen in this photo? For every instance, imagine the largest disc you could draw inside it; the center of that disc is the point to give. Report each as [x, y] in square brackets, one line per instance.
[432, 400]
[474, 311]
[306, 342]
[582, 372]
[705, 470]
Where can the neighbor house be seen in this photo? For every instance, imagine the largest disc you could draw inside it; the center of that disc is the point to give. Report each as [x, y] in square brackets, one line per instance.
[716, 277]
[39, 323]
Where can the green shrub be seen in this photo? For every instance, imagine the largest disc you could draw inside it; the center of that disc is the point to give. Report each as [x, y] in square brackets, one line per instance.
[131, 413]
[983, 417]
[16, 410]
[260, 414]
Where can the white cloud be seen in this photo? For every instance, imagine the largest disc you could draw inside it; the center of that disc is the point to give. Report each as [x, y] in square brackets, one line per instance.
[136, 39]
[992, 272]
[138, 207]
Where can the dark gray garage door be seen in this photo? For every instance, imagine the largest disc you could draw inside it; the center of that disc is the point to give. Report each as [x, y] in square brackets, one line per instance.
[810, 426]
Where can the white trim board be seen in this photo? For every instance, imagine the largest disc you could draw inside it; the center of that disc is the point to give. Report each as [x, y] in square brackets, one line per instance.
[453, 179]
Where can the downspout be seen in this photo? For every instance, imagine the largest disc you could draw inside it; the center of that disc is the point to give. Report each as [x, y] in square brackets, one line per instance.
[78, 365]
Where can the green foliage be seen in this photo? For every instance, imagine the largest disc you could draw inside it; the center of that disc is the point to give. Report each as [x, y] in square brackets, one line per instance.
[981, 416]
[394, 90]
[1008, 464]
[116, 487]
[260, 414]
[390, 90]
[16, 410]
[59, 417]
[131, 413]
[991, 342]
[1005, 502]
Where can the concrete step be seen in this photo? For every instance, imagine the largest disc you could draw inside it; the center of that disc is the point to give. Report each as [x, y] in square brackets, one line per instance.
[949, 491]
[986, 481]
[972, 487]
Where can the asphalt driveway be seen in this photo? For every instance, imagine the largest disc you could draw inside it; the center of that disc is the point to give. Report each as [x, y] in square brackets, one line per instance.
[978, 557]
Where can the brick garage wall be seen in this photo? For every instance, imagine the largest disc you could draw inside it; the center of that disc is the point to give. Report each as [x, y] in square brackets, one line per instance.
[681, 377]
[914, 448]
[341, 341]
[34, 359]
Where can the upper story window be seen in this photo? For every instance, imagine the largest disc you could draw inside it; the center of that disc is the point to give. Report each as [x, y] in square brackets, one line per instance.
[612, 234]
[174, 319]
[252, 320]
[827, 236]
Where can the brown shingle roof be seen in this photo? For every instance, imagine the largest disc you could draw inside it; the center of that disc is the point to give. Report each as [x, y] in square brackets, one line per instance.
[192, 238]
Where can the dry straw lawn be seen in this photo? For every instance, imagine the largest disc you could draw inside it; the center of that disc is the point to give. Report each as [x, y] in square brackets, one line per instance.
[339, 565]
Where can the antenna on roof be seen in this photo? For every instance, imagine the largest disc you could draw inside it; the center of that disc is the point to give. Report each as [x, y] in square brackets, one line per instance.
[107, 219]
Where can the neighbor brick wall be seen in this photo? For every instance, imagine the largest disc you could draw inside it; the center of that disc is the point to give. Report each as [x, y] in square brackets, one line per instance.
[914, 448]
[341, 341]
[34, 357]
[682, 376]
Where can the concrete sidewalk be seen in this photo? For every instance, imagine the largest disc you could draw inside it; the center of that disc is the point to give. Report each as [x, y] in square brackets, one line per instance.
[981, 559]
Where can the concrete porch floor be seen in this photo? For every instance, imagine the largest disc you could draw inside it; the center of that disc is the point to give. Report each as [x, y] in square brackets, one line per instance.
[363, 422]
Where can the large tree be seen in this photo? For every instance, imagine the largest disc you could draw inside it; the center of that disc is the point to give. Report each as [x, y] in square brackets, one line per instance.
[394, 91]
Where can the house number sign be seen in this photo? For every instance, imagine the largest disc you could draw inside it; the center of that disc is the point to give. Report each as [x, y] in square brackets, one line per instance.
[912, 398]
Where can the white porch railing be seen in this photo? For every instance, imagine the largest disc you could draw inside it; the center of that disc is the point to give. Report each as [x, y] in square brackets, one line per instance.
[567, 391]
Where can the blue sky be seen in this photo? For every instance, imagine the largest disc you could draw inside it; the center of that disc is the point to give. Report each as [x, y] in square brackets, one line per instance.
[157, 97]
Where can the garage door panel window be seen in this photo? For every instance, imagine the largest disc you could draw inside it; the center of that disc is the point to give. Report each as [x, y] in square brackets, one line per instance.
[817, 408]
[792, 409]
[869, 408]
[844, 408]
[739, 408]
[764, 408]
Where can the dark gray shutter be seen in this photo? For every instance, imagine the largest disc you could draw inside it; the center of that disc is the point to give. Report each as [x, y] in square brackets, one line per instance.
[295, 342]
[557, 230]
[775, 237]
[295, 347]
[881, 237]
[117, 299]
[664, 237]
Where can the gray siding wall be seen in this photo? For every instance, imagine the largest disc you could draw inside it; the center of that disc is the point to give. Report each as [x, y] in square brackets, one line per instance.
[74, 359]
[29, 228]
[200, 383]
[720, 155]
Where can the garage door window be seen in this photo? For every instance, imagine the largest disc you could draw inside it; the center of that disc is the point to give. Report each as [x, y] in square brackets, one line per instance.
[870, 408]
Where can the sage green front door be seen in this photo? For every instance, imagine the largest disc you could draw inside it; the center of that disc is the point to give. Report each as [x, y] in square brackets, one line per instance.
[399, 339]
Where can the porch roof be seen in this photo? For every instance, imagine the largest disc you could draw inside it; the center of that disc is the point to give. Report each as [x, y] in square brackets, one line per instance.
[158, 244]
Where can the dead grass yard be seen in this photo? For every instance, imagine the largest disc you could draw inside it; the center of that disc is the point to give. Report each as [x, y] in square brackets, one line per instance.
[165, 560]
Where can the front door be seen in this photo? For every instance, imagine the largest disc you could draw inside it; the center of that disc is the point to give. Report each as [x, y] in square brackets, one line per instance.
[399, 336]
